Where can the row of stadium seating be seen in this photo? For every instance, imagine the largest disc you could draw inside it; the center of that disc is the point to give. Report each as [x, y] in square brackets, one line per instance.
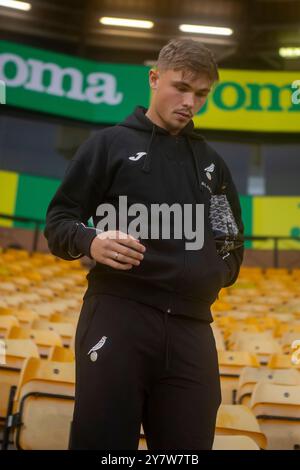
[257, 323]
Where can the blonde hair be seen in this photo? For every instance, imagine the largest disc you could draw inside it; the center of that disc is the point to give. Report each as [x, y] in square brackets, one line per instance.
[190, 56]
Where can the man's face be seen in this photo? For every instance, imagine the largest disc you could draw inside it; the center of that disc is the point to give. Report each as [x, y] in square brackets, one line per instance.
[177, 97]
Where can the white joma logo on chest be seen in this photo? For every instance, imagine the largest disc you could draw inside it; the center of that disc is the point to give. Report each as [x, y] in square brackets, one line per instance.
[137, 156]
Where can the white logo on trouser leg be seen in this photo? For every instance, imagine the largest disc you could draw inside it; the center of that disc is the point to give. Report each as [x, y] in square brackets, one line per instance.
[93, 353]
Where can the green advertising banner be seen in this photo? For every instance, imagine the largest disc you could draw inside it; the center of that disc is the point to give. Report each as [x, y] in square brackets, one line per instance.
[69, 86]
[50, 82]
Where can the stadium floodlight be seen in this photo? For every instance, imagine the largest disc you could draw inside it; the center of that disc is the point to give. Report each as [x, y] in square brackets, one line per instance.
[201, 29]
[15, 4]
[126, 22]
[289, 52]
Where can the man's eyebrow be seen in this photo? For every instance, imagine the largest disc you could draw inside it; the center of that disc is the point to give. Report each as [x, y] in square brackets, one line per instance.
[180, 82]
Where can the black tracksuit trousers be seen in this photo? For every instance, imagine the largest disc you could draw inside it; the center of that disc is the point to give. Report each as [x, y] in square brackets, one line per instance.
[137, 365]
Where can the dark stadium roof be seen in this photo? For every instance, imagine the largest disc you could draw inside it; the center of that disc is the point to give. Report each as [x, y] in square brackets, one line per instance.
[72, 26]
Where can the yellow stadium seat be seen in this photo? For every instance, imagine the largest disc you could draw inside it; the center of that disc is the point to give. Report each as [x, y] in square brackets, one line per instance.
[287, 340]
[44, 339]
[16, 351]
[24, 317]
[239, 420]
[65, 330]
[31, 297]
[7, 287]
[240, 327]
[44, 293]
[43, 407]
[22, 282]
[234, 443]
[287, 328]
[7, 322]
[283, 317]
[254, 308]
[224, 322]
[277, 408]
[3, 304]
[220, 306]
[15, 254]
[57, 317]
[282, 361]
[15, 300]
[44, 310]
[32, 275]
[267, 323]
[63, 305]
[221, 442]
[231, 364]
[48, 272]
[276, 272]
[250, 376]
[61, 354]
[56, 286]
[262, 344]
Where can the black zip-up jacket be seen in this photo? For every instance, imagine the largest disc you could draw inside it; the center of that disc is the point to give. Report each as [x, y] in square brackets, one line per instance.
[172, 169]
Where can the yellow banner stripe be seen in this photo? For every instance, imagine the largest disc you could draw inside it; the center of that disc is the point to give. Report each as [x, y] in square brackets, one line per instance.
[276, 215]
[9, 186]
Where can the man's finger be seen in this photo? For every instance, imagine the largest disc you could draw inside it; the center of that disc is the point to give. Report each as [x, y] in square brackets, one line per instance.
[114, 264]
[126, 251]
[118, 257]
[132, 243]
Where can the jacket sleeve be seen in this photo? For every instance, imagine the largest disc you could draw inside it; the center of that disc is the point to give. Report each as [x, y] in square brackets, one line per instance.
[234, 258]
[76, 200]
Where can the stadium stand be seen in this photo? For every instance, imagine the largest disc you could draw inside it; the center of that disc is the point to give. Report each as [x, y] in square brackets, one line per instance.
[254, 329]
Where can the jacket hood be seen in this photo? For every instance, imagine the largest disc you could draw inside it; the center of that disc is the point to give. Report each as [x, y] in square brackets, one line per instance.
[139, 121]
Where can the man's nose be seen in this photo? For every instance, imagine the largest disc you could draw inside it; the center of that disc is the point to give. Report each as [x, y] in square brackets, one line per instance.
[189, 101]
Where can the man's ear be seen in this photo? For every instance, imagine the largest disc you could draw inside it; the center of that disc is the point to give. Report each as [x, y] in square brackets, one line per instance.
[153, 78]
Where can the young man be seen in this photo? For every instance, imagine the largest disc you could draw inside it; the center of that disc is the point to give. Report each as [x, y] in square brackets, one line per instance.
[145, 351]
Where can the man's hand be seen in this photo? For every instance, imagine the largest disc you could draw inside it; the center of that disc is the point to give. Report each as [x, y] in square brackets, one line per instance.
[117, 249]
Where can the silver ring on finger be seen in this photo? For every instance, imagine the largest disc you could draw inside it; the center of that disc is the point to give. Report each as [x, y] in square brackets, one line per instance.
[116, 256]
